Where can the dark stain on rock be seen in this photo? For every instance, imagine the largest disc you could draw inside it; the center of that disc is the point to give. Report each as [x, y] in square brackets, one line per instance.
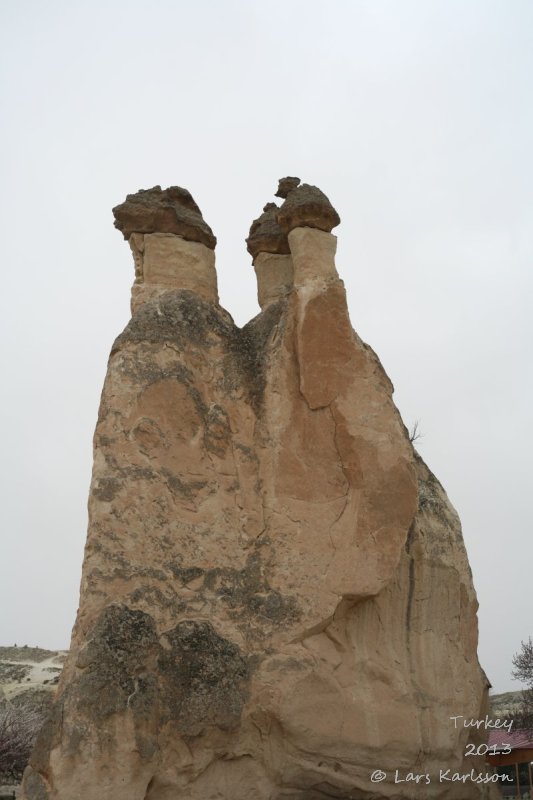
[181, 318]
[185, 575]
[106, 489]
[245, 592]
[432, 502]
[101, 440]
[205, 678]
[125, 570]
[155, 597]
[248, 453]
[177, 486]
[145, 370]
[190, 676]
[217, 436]
[114, 663]
[249, 351]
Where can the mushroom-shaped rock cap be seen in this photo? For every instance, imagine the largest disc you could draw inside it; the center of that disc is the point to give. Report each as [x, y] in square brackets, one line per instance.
[307, 207]
[157, 210]
[286, 185]
[266, 235]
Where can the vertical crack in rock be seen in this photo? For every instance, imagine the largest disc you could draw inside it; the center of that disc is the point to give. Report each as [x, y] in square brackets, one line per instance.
[275, 595]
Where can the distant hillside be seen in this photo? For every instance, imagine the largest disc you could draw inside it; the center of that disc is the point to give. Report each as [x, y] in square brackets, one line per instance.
[28, 678]
[506, 704]
[29, 674]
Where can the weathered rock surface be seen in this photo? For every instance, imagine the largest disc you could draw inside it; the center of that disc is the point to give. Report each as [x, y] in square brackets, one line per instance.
[307, 207]
[166, 261]
[172, 245]
[266, 235]
[286, 185]
[276, 599]
[275, 277]
[157, 210]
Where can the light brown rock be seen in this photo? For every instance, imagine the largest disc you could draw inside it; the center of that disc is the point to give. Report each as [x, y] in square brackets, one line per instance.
[274, 277]
[275, 597]
[165, 261]
[313, 257]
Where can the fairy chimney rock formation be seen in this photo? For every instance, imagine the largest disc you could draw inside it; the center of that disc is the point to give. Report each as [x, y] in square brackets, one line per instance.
[276, 599]
[291, 245]
[172, 245]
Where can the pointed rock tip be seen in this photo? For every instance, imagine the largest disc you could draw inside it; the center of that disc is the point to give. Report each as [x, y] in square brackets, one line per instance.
[286, 185]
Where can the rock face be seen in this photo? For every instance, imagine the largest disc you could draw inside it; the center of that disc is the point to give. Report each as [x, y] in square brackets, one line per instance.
[276, 599]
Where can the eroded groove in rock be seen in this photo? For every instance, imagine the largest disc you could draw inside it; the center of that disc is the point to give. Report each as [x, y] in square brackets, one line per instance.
[275, 595]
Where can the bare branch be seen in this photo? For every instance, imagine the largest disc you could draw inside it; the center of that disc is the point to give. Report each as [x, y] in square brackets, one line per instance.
[415, 432]
[19, 726]
[523, 664]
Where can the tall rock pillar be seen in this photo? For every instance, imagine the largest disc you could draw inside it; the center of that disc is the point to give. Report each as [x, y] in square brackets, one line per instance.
[276, 599]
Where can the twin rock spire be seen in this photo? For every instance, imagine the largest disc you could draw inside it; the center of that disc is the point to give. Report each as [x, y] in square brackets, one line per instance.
[173, 246]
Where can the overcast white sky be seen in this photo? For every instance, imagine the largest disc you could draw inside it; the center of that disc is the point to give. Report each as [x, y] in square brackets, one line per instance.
[416, 119]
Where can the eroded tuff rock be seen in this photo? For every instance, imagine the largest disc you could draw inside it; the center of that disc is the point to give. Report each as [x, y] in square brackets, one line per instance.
[171, 243]
[266, 235]
[286, 185]
[306, 207]
[276, 598]
[157, 210]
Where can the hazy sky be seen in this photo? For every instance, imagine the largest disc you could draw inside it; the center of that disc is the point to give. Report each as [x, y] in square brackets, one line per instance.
[414, 116]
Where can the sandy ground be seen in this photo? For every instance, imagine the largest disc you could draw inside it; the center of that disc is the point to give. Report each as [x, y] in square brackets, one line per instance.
[23, 669]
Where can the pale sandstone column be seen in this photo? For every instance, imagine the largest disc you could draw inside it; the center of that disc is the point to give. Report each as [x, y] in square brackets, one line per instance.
[272, 261]
[165, 261]
[274, 277]
[307, 218]
[291, 245]
[313, 256]
[172, 245]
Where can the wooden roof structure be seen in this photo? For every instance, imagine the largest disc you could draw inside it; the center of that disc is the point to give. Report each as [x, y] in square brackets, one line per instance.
[521, 752]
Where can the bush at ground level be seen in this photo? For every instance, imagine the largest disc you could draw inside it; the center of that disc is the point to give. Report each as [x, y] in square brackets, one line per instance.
[19, 726]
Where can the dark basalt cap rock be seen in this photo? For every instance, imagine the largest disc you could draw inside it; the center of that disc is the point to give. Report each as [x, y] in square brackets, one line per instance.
[285, 185]
[266, 235]
[157, 210]
[307, 207]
